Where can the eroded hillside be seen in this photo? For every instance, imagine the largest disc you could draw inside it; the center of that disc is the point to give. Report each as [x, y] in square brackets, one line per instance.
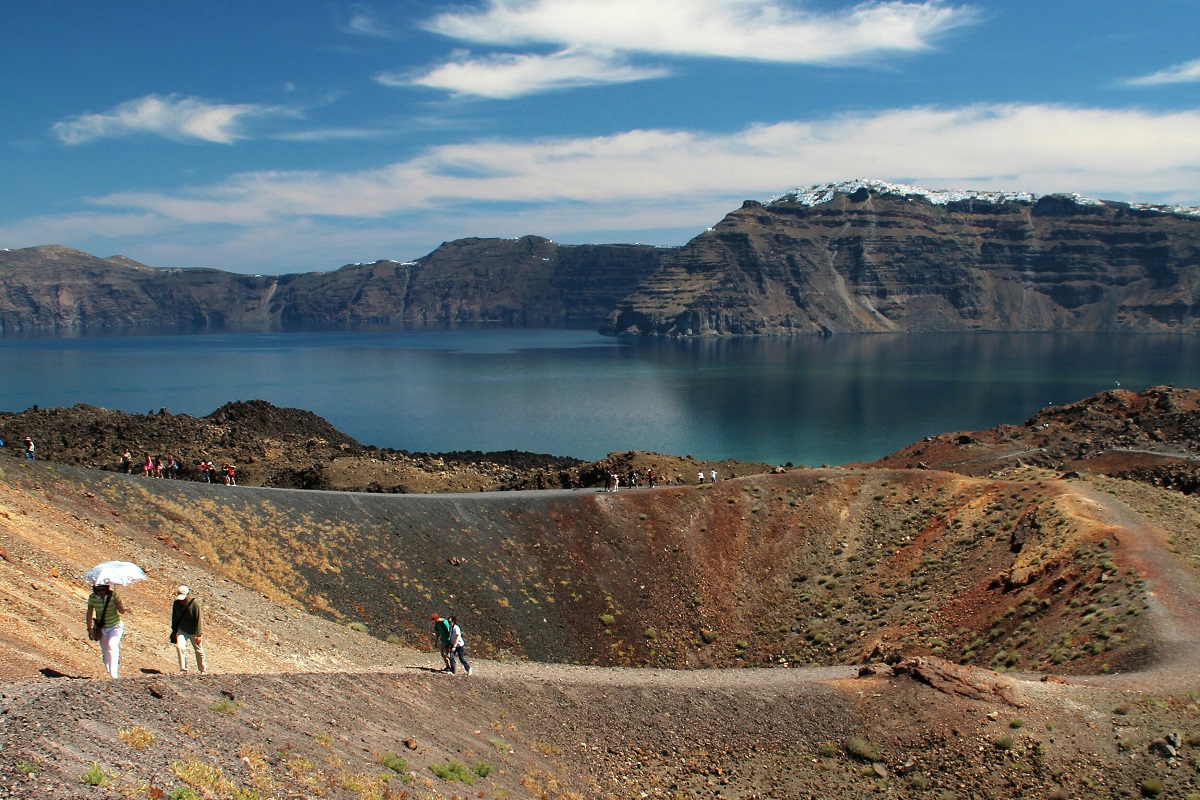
[809, 567]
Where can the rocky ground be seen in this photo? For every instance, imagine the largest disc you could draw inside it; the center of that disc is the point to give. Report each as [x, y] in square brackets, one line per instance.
[1151, 437]
[286, 447]
[1066, 609]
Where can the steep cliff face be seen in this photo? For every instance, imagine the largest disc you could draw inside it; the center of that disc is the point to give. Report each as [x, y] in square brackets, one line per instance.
[876, 257]
[528, 281]
[57, 287]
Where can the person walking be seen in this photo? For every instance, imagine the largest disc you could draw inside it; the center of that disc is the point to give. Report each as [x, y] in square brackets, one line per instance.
[30, 449]
[441, 635]
[126, 462]
[104, 625]
[458, 647]
[187, 625]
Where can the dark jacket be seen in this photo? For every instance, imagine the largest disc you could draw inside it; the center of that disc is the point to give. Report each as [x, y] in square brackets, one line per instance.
[187, 617]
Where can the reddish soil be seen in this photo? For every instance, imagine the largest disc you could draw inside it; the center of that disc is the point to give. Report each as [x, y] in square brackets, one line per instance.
[1024, 634]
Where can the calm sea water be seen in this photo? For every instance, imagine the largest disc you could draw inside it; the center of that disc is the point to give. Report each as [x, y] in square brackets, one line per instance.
[806, 400]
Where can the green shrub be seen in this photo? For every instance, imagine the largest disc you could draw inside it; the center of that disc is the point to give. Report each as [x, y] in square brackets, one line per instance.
[1152, 787]
[651, 634]
[95, 776]
[607, 619]
[482, 769]
[357, 626]
[708, 636]
[225, 705]
[862, 749]
[393, 639]
[394, 763]
[1004, 742]
[452, 772]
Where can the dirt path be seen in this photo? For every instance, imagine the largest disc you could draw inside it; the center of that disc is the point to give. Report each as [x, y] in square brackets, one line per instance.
[1173, 589]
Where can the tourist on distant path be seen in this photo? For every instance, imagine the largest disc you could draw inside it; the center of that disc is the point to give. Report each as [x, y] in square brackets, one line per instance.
[457, 646]
[650, 477]
[148, 465]
[187, 625]
[700, 476]
[127, 461]
[205, 471]
[158, 467]
[172, 467]
[230, 475]
[441, 635]
[29, 448]
[712, 474]
[104, 625]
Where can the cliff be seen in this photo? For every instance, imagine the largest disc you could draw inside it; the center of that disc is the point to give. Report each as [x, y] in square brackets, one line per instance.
[515, 282]
[862, 256]
[868, 256]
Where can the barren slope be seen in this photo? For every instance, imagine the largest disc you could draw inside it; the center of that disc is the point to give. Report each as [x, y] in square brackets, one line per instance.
[810, 567]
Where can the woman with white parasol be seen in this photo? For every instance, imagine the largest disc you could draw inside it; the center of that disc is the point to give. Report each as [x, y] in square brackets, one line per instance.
[104, 608]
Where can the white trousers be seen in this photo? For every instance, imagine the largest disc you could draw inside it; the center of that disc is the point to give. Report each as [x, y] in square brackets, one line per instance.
[110, 648]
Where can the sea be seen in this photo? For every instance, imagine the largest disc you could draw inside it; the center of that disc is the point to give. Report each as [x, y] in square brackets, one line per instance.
[803, 400]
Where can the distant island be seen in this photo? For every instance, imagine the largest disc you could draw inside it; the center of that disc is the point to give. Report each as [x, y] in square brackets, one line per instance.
[859, 256]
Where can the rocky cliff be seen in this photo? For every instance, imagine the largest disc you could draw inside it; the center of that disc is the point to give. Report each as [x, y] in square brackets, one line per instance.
[516, 282]
[863, 256]
[868, 256]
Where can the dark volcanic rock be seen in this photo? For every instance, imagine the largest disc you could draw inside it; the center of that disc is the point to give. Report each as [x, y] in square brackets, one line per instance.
[874, 257]
[1151, 436]
[515, 282]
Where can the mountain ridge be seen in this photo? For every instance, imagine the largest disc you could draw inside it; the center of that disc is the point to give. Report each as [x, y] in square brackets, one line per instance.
[852, 257]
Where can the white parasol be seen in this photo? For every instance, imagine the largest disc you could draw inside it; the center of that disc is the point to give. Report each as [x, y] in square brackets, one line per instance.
[114, 573]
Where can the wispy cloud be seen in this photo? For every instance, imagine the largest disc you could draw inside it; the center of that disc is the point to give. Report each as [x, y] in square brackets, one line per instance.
[365, 22]
[1188, 72]
[579, 189]
[1005, 146]
[174, 117]
[506, 75]
[597, 39]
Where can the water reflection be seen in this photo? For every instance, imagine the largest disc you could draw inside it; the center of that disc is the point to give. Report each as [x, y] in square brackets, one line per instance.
[808, 400]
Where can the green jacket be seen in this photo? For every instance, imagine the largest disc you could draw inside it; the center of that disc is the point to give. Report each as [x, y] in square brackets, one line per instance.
[442, 629]
[187, 616]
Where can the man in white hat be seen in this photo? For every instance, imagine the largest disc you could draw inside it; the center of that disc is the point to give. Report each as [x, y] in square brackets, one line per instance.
[187, 624]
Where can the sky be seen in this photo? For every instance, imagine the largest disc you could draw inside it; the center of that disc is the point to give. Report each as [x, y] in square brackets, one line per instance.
[281, 136]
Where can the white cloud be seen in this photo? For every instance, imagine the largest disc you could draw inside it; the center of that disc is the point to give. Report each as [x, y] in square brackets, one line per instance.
[364, 21]
[505, 76]
[82, 226]
[595, 40]
[772, 30]
[1188, 72]
[653, 180]
[171, 116]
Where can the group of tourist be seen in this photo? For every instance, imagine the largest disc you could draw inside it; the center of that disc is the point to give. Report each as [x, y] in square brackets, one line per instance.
[449, 638]
[631, 480]
[158, 467]
[106, 627]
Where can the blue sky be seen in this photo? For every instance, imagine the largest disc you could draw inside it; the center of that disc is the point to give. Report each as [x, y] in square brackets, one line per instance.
[273, 136]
